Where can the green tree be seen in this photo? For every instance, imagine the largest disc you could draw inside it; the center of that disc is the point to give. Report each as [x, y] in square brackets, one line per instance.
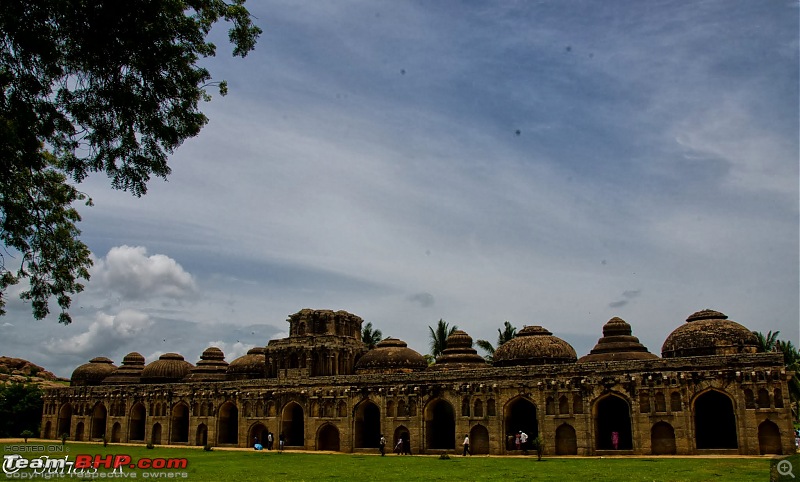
[506, 334]
[791, 358]
[766, 342]
[87, 87]
[369, 336]
[439, 337]
[20, 409]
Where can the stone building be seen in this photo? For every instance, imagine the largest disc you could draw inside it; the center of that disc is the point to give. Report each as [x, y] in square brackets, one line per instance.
[709, 392]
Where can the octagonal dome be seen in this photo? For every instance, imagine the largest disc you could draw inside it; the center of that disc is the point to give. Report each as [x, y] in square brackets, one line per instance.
[129, 372]
[534, 345]
[92, 373]
[169, 368]
[459, 354]
[391, 356]
[709, 332]
[617, 343]
[253, 365]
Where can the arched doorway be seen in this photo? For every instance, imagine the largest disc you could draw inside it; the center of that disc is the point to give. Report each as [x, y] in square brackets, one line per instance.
[520, 414]
[99, 421]
[64, 420]
[293, 425]
[566, 440]
[79, 432]
[367, 425]
[180, 423]
[228, 431]
[201, 436]
[769, 438]
[479, 440]
[155, 436]
[115, 430]
[328, 438]
[257, 431]
[662, 439]
[714, 421]
[440, 423]
[613, 423]
[401, 434]
[136, 423]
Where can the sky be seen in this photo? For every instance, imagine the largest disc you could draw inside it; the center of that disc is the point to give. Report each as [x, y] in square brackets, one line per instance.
[552, 163]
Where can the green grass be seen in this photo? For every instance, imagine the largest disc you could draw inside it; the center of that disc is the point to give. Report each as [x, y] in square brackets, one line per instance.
[263, 466]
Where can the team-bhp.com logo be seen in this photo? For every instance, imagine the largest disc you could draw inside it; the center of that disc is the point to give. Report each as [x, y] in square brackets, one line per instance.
[88, 466]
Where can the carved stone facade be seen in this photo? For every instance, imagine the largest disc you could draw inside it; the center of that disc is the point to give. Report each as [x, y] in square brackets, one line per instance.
[709, 393]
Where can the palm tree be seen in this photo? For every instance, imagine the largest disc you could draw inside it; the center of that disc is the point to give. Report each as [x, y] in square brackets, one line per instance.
[507, 333]
[791, 358]
[439, 337]
[370, 337]
[766, 342]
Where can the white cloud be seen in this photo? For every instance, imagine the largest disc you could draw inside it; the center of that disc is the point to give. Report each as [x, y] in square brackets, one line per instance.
[232, 351]
[104, 335]
[130, 272]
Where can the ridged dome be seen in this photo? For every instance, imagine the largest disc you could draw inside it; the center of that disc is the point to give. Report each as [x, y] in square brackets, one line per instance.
[709, 332]
[391, 356]
[534, 345]
[211, 367]
[248, 367]
[129, 372]
[169, 368]
[459, 354]
[617, 343]
[92, 373]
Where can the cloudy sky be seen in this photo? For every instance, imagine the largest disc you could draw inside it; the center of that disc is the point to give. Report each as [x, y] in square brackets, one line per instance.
[547, 163]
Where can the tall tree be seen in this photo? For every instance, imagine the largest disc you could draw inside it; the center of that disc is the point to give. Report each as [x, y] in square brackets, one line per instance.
[369, 336]
[791, 358]
[20, 409]
[507, 333]
[766, 342]
[439, 337]
[87, 87]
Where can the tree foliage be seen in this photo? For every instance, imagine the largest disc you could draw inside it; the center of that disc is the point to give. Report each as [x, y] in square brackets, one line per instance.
[791, 359]
[507, 333]
[88, 87]
[20, 409]
[370, 336]
[439, 337]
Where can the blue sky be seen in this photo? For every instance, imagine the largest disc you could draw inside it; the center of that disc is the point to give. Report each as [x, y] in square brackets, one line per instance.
[547, 163]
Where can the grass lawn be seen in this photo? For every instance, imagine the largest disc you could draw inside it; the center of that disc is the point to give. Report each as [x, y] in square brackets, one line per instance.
[263, 466]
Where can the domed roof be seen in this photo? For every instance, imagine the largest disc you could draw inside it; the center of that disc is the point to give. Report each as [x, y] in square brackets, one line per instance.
[169, 368]
[459, 354]
[534, 345]
[709, 332]
[92, 373]
[391, 356]
[250, 366]
[617, 343]
[129, 372]
[211, 367]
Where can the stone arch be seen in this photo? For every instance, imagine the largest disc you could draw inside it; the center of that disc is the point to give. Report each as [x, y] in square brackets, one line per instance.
[566, 440]
[662, 439]
[479, 440]
[749, 399]
[79, 432]
[644, 402]
[293, 425]
[402, 435]
[328, 438]
[549, 406]
[478, 409]
[155, 435]
[201, 435]
[577, 403]
[342, 409]
[763, 398]
[491, 408]
[769, 438]
[64, 420]
[390, 409]
[440, 425]
[714, 421]
[520, 414]
[115, 432]
[661, 402]
[228, 424]
[465, 407]
[563, 405]
[136, 422]
[271, 410]
[612, 415]
[402, 409]
[367, 425]
[99, 415]
[675, 402]
[257, 430]
[778, 397]
[179, 432]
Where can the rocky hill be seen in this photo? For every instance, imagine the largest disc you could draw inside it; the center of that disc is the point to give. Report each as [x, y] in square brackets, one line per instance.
[17, 370]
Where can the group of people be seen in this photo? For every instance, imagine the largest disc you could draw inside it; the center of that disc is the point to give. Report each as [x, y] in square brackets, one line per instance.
[402, 447]
[517, 441]
[270, 441]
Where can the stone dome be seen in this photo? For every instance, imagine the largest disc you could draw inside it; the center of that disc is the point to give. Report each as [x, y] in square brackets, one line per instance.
[709, 332]
[169, 368]
[617, 343]
[534, 345]
[211, 367]
[250, 366]
[391, 356]
[459, 354]
[129, 372]
[92, 373]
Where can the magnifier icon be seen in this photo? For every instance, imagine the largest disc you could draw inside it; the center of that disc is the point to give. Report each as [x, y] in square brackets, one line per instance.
[785, 468]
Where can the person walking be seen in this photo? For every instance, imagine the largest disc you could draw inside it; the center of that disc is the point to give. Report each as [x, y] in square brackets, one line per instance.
[270, 440]
[523, 442]
[281, 442]
[466, 446]
[382, 445]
